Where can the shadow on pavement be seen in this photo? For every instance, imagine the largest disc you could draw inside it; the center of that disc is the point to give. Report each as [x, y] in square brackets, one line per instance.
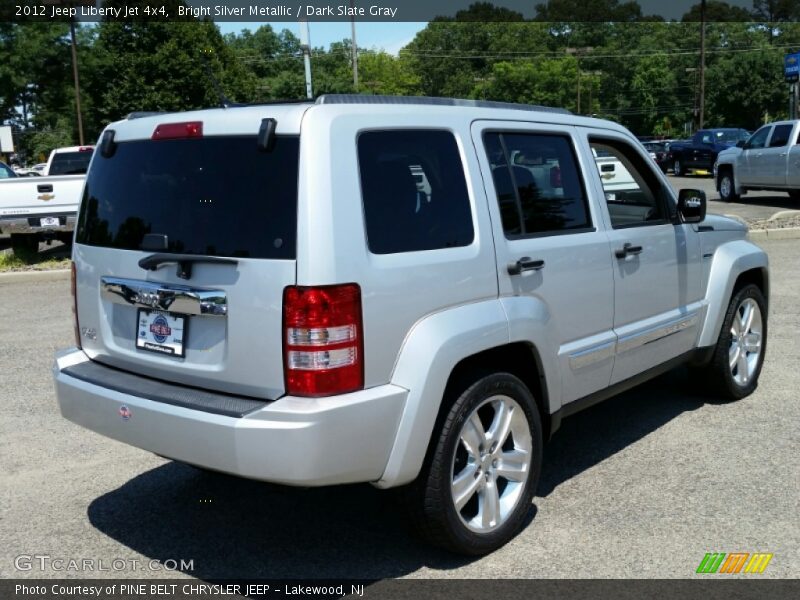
[235, 528]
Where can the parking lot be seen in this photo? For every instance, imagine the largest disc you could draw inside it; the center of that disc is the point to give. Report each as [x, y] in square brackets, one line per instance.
[642, 485]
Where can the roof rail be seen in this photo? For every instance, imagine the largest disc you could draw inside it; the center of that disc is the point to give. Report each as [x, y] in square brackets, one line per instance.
[142, 114]
[432, 101]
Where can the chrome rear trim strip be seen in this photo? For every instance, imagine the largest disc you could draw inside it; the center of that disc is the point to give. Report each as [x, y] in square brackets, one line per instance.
[157, 296]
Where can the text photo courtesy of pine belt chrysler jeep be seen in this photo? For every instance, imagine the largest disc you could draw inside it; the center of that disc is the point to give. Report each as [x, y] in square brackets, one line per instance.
[411, 292]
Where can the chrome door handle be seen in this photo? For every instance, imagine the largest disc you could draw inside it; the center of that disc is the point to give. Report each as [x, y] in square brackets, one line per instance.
[526, 263]
[627, 249]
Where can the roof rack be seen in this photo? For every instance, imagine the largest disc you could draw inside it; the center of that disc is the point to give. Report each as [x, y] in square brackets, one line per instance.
[433, 101]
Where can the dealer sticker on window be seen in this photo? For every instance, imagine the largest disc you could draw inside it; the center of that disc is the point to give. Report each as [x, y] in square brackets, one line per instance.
[160, 332]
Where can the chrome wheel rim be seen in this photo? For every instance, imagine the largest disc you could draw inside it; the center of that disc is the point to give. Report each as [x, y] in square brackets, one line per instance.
[725, 187]
[491, 464]
[677, 167]
[746, 341]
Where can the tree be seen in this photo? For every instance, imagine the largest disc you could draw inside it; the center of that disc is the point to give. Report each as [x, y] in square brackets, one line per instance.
[160, 66]
[718, 12]
[774, 11]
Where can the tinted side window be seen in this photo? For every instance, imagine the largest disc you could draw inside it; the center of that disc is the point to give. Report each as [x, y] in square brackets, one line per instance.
[539, 189]
[634, 195]
[414, 191]
[780, 137]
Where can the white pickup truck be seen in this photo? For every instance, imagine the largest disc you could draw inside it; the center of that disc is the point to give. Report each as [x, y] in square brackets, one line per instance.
[44, 208]
[769, 160]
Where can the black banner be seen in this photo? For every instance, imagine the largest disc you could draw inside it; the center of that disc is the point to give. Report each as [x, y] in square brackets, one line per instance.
[394, 10]
[713, 587]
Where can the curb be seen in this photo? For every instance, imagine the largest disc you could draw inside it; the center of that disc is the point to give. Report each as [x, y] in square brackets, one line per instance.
[788, 233]
[21, 276]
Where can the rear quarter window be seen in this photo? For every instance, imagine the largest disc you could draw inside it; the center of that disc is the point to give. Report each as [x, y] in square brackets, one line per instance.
[414, 191]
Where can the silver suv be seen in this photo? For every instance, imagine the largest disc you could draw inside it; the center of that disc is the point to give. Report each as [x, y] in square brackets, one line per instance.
[403, 291]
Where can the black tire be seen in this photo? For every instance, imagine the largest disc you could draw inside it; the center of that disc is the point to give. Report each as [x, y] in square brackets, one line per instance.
[677, 168]
[720, 379]
[727, 187]
[24, 243]
[794, 194]
[429, 499]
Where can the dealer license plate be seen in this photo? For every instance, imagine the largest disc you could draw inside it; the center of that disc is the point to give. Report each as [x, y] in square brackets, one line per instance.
[160, 332]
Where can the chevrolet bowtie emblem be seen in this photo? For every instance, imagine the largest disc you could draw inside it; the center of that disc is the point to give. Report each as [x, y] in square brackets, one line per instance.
[47, 197]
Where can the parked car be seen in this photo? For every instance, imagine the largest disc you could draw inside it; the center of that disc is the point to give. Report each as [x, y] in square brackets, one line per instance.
[700, 154]
[659, 152]
[769, 160]
[309, 319]
[72, 160]
[33, 209]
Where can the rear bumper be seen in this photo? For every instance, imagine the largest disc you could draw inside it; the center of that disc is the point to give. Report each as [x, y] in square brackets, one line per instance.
[295, 441]
[32, 223]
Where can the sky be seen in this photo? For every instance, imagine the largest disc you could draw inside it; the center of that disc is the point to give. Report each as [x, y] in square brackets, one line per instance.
[387, 36]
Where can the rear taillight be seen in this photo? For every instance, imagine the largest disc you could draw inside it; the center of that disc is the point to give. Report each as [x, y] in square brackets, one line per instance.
[176, 131]
[323, 340]
[74, 291]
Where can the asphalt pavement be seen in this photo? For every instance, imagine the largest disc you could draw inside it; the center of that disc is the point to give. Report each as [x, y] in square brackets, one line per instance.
[642, 485]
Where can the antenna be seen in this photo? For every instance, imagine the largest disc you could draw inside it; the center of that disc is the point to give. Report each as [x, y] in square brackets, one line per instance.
[223, 99]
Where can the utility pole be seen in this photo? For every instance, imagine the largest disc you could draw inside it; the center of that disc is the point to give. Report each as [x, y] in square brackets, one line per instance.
[77, 81]
[305, 46]
[577, 53]
[354, 46]
[702, 64]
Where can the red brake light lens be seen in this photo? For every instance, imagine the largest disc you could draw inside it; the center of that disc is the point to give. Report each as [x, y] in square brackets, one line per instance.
[177, 131]
[85, 148]
[323, 340]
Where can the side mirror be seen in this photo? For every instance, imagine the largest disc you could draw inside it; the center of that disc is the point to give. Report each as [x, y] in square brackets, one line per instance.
[741, 144]
[692, 206]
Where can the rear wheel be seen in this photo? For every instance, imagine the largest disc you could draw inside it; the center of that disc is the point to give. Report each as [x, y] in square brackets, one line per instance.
[476, 490]
[739, 353]
[677, 168]
[24, 243]
[727, 189]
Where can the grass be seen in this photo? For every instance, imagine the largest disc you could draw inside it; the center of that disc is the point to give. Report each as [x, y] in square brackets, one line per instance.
[31, 261]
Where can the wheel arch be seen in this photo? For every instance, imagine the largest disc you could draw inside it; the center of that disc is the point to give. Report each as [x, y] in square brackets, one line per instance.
[735, 265]
[441, 353]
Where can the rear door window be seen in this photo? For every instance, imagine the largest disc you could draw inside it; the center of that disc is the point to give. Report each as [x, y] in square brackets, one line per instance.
[780, 136]
[216, 196]
[414, 191]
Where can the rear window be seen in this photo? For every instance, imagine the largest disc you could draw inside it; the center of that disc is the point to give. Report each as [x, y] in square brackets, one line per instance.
[70, 163]
[215, 196]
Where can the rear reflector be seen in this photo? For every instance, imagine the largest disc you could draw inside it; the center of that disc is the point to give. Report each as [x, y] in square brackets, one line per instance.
[323, 344]
[177, 131]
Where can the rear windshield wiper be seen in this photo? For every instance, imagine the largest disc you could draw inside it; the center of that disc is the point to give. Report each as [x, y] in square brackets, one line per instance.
[184, 262]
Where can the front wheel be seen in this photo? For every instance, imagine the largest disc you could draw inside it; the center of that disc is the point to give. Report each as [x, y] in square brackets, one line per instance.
[739, 353]
[476, 490]
[727, 189]
[794, 194]
[677, 168]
